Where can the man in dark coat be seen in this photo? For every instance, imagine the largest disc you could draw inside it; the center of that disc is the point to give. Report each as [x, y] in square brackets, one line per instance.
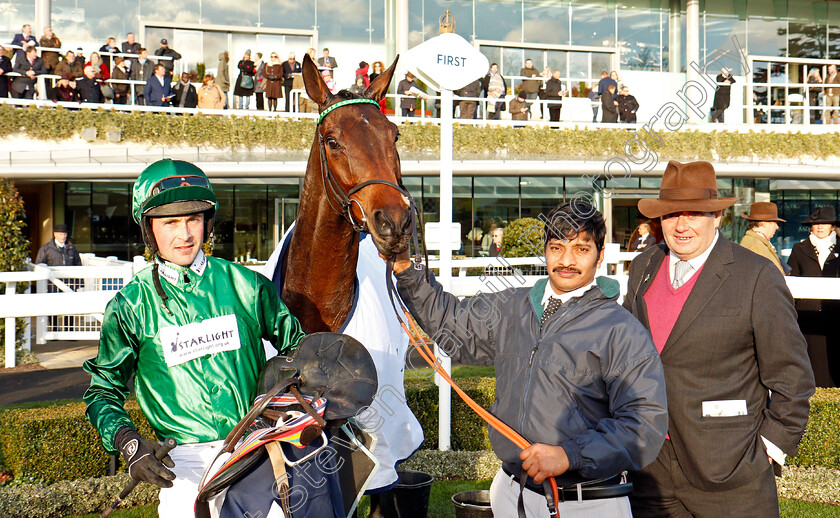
[158, 91]
[5, 68]
[721, 101]
[71, 66]
[291, 68]
[554, 91]
[736, 365]
[627, 105]
[818, 255]
[609, 106]
[24, 39]
[467, 107]
[185, 93]
[59, 251]
[131, 47]
[408, 101]
[28, 67]
[88, 89]
[168, 64]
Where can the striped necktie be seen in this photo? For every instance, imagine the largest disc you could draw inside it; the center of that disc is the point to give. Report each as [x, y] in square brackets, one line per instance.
[550, 308]
[680, 271]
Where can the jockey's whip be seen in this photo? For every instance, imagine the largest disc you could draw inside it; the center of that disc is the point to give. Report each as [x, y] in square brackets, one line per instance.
[168, 444]
[416, 340]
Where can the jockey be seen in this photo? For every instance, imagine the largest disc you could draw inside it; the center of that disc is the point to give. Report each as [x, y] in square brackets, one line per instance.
[188, 329]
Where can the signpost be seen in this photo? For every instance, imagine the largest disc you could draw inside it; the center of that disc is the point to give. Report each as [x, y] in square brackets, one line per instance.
[446, 62]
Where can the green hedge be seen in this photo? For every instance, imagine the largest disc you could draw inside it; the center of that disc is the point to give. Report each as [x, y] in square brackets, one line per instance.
[58, 443]
[49, 124]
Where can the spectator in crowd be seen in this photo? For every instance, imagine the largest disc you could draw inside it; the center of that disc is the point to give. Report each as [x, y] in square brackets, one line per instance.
[142, 70]
[291, 69]
[531, 87]
[487, 238]
[609, 106]
[80, 55]
[29, 67]
[327, 61]
[363, 71]
[260, 82]
[627, 105]
[831, 96]
[244, 82]
[210, 96]
[467, 107]
[519, 109]
[546, 74]
[101, 69]
[605, 82]
[185, 94]
[721, 100]
[166, 51]
[158, 91]
[763, 221]
[224, 75]
[645, 237]
[106, 50]
[554, 92]
[327, 76]
[49, 39]
[88, 88]
[58, 251]
[23, 40]
[496, 245]
[495, 88]
[70, 66]
[408, 103]
[817, 256]
[63, 91]
[614, 77]
[273, 75]
[378, 68]
[736, 366]
[5, 68]
[359, 87]
[814, 93]
[129, 46]
[122, 91]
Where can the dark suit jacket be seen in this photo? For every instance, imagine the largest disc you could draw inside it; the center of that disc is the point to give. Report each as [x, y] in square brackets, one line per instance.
[735, 339]
[333, 63]
[154, 91]
[803, 262]
[22, 66]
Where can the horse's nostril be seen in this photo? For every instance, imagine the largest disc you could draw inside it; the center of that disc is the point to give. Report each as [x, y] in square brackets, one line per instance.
[383, 223]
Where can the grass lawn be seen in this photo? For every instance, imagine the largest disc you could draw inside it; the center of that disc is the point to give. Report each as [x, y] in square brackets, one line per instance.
[440, 505]
[458, 371]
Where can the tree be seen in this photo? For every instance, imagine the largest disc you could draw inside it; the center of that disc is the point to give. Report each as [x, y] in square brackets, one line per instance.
[14, 248]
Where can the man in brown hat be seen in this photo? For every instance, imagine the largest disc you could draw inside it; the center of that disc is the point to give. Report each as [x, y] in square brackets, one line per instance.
[763, 223]
[723, 322]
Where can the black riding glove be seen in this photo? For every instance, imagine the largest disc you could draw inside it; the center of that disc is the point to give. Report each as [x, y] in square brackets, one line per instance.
[139, 454]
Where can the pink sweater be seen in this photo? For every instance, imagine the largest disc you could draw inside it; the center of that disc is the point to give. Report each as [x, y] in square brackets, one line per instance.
[664, 303]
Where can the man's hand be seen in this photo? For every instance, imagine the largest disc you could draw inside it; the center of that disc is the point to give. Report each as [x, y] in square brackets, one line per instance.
[401, 261]
[139, 454]
[541, 461]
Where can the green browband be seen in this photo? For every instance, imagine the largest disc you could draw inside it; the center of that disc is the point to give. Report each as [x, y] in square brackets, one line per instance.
[345, 103]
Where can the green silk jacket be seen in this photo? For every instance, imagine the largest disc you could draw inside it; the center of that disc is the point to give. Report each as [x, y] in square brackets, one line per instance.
[195, 371]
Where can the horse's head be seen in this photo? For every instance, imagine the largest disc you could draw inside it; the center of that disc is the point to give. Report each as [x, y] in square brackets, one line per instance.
[360, 166]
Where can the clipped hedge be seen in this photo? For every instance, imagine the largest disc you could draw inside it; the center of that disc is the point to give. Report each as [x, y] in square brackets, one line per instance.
[57, 443]
[52, 124]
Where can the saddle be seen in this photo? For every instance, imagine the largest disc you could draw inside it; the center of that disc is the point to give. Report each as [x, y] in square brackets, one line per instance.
[330, 378]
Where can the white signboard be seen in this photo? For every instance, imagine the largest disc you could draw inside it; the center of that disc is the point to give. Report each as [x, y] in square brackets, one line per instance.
[446, 61]
[433, 234]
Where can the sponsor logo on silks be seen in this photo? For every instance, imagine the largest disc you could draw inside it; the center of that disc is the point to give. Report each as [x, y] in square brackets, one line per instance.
[181, 344]
[131, 448]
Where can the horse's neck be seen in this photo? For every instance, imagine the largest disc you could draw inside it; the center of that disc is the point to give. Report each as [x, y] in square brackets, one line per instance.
[320, 265]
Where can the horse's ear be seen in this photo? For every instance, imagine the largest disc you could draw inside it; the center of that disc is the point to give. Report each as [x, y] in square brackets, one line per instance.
[316, 88]
[379, 87]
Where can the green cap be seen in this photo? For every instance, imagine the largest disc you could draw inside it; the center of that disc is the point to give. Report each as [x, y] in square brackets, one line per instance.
[172, 187]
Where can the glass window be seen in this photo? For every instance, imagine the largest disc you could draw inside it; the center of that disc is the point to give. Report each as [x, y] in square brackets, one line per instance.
[767, 28]
[593, 25]
[85, 21]
[112, 228]
[722, 20]
[546, 22]
[340, 19]
[807, 30]
[18, 12]
[496, 202]
[498, 20]
[640, 36]
[275, 14]
[424, 19]
[77, 214]
[224, 229]
[833, 30]
[241, 12]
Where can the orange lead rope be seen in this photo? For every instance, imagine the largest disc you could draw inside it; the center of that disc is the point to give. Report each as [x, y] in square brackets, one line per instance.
[427, 354]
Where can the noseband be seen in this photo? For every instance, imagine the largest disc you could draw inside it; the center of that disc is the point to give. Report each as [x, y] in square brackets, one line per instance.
[331, 187]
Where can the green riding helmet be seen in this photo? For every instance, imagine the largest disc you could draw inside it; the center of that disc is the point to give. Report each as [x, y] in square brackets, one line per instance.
[172, 188]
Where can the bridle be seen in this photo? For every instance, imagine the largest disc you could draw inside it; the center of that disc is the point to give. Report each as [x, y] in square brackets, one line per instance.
[342, 202]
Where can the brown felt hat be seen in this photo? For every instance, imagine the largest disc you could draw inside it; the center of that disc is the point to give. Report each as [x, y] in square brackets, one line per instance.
[686, 187]
[763, 211]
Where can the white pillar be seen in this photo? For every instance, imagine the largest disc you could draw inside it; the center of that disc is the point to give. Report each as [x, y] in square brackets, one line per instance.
[692, 48]
[10, 329]
[42, 17]
[674, 36]
[401, 19]
[445, 276]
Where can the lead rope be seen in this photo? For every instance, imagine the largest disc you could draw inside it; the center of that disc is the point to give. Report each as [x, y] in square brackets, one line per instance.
[415, 339]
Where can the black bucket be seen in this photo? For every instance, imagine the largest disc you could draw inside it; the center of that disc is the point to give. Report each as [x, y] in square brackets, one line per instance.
[410, 497]
[472, 504]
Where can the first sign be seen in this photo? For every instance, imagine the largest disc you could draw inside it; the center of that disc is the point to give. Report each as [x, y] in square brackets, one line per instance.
[447, 61]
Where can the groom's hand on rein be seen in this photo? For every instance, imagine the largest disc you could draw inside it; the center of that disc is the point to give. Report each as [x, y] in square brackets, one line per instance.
[401, 261]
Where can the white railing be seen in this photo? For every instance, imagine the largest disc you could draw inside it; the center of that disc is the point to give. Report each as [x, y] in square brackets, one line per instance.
[80, 293]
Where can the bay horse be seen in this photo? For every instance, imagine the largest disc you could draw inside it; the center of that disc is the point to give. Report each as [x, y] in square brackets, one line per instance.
[354, 145]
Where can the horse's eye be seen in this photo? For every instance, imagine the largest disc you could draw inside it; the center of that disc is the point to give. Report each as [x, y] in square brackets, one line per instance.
[333, 143]
[397, 137]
